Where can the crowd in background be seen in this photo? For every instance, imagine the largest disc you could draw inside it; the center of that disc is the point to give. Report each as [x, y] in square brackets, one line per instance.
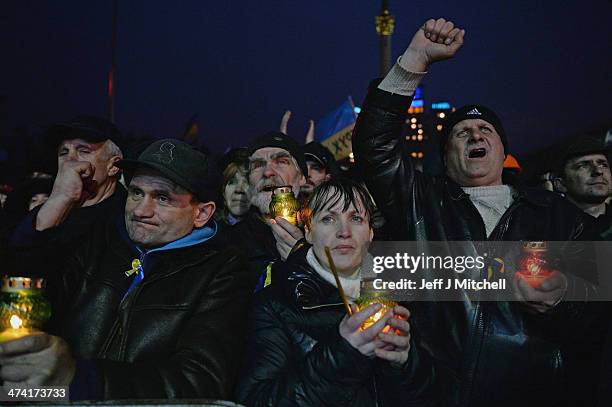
[152, 257]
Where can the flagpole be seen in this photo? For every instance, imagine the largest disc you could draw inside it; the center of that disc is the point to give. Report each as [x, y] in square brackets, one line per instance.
[350, 99]
[111, 73]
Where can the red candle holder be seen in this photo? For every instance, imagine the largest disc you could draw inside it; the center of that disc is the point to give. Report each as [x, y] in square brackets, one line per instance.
[534, 266]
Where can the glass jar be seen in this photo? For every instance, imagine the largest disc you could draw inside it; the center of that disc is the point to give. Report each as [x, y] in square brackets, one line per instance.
[285, 204]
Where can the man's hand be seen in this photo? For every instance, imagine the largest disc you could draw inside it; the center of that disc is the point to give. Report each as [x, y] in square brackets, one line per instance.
[435, 41]
[285, 124]
[310, 134]
[365, 341]
[74, 181]
[39, 359]
[286, 235]
[399, 338]
[543, 298]
[73, 185]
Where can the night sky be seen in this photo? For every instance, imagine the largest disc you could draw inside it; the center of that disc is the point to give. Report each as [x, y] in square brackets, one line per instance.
[544, 66]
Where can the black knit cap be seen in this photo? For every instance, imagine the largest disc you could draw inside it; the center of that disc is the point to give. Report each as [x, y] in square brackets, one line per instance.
[89, 128]
[177, 161]
[280, 140]
[472, 112]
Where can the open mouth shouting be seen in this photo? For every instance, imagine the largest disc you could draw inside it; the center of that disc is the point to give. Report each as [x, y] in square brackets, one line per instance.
[479, 152]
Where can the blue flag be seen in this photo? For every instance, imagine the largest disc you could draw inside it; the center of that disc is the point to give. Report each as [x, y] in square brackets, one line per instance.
[335, 130]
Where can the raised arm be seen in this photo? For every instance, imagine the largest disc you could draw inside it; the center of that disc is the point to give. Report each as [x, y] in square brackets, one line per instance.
[378, 146]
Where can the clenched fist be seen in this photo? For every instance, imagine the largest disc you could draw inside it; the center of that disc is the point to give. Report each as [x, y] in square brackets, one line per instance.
[436, 40]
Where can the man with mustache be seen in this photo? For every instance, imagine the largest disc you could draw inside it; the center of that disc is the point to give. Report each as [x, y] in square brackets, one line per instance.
[275, 160]
[492, 348]
[150, 304]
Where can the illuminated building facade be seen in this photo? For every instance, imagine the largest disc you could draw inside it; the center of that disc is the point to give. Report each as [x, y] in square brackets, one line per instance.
[424, 126]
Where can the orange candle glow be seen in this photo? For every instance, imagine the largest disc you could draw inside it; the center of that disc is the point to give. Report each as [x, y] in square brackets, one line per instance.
[16, 330]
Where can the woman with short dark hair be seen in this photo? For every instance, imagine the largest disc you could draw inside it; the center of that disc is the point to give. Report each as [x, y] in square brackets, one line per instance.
[303, 349]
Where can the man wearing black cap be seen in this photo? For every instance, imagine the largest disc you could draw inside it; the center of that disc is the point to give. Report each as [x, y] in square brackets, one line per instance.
[496, 346]
[86, 189]
[86, 147]
[150, 305]
[321, 165]
[583, 175]
[275, 160]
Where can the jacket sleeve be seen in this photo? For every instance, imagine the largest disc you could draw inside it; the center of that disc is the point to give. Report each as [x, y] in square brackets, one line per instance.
[205, 360]
[330, 374]
[380, 153]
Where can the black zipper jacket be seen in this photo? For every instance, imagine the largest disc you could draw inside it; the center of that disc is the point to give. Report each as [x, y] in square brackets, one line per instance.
[296, 356]
[502, 355]
[177, 334]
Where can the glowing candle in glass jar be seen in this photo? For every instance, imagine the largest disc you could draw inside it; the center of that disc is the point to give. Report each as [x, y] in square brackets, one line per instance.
[368, 296]
[23, 307]
[284, 204]
[534, 266]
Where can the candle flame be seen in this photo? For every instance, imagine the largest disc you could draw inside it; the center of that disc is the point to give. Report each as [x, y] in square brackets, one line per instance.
[16, 322]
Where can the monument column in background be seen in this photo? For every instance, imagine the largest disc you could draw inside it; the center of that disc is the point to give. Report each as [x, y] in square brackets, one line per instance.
[384, 28]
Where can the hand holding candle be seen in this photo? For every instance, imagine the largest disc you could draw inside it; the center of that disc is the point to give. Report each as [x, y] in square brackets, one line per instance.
[399, 339]
[548, 294]
[38, 359]
[366, 341]
[285, 234]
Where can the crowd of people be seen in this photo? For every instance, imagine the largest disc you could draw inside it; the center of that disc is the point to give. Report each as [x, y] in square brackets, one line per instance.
[170, 278]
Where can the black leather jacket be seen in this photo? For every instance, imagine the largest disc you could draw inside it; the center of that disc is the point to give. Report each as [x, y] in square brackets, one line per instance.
[501, 354]
[177, 334]
[296, 356]
[255, 240]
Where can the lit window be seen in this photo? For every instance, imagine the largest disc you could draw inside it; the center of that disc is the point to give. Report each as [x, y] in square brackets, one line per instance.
[439, 127]
[413, 126]
[441, 115]
[413, 120]
[420, 137]
[420, 131]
